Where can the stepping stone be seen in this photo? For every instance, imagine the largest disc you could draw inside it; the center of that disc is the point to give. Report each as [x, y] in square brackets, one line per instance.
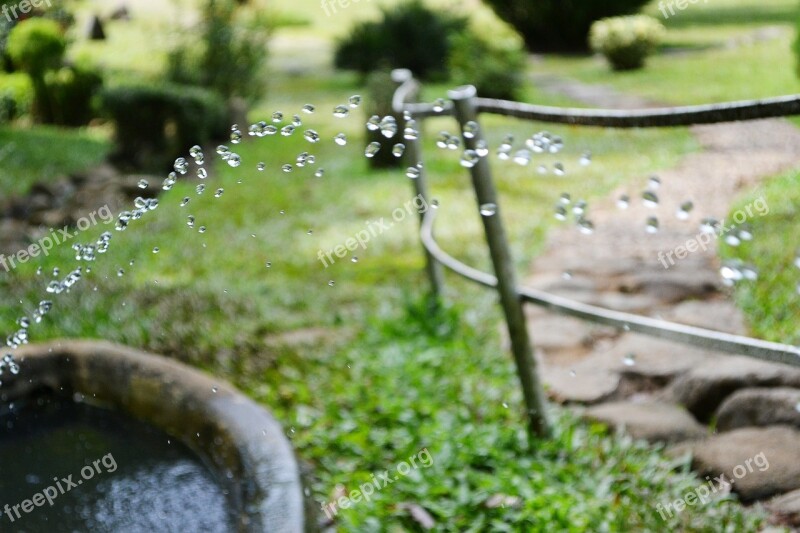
[760, 407]
[786, 508]
[717, 315]
[652, 421]
[563, 385]
[758, 462]
[705, 387]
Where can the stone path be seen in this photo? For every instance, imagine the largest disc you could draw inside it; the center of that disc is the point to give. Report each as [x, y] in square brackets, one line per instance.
[659, 390]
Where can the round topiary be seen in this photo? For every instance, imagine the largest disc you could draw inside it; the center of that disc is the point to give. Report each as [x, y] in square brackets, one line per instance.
[36, 45]
[626, 41]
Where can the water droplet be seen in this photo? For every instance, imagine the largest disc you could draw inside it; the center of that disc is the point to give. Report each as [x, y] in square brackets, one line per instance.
[542, 169]
[372, 149]
[56, 272]
[261, 166]
[654, 182]
[585, 226]
[287, 167]
[488, 209]
[522, 157]
[579, 208]
[586, 159]
[414, 172]
[184, 201]
[354, 100]
[234, 160]
[200, 188]
[311, 136]
[287, 130]
[197, 154]
[398, 149]
[236, 135]
[561, 212]
[331, 283]
[308, 108]
[181, 166]
[340, 139]
[201, 229]
[629, 360]
[732, 239]
[410, 131]
[683, 210]
[558, 169]
[470, 129]
[388, 126]
[482, 148]
[319, 173]
[120, 272]
[143, 183]
[190, 221]
[340, 111]
[296, 122]
[565, 198]
[155, 249]
[652, 225]
[354, 259]
[469, 158]
[650, 199]
[277, 116]
[169, 181]
[438, 105]
[566, 275]
[310, 232]
[709, 225]
[223, 151]
[219, 192]
[374, 123]
[269, 264]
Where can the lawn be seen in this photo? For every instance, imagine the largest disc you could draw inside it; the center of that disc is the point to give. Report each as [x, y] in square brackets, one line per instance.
[360, 372]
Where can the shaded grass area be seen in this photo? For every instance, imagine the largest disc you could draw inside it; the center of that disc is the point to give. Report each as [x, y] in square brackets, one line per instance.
[44, 153]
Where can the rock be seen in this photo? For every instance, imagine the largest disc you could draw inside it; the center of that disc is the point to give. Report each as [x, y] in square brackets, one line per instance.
[786, 508]
[719, 315]
[760, 407]
[566, 386]
[651, 421]
[703, 388]
[758, 462]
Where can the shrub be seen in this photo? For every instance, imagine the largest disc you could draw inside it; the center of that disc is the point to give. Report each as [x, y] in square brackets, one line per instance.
[36, 46]
[154, 123]
[496, 69]
[71, 91]
[231, 56]
[559, 25]
[16, 96]
[626, 41]
[408, 36]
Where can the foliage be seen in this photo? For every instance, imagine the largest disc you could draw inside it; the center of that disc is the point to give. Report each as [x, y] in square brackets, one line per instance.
[409, 35]
[231, 55]
[72, 90]
[558, 25]
[36, 46]
[154, 122]
[16, 96]
[495, 68]
[626, 41]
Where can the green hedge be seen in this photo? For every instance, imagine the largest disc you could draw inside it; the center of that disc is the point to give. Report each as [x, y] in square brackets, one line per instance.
[156, 123]
[16, 96]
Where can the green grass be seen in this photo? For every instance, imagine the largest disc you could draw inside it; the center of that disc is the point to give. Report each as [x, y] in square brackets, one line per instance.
[44, 153]
[771, 303]
[359, 373]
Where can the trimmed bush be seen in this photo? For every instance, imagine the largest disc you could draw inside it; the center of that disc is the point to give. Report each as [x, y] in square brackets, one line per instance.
[495, 69]
[72, 90]
[37, 45]
[154, 123]
[626, 41]
[559, 25]
[16, 96]
[409, 36]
